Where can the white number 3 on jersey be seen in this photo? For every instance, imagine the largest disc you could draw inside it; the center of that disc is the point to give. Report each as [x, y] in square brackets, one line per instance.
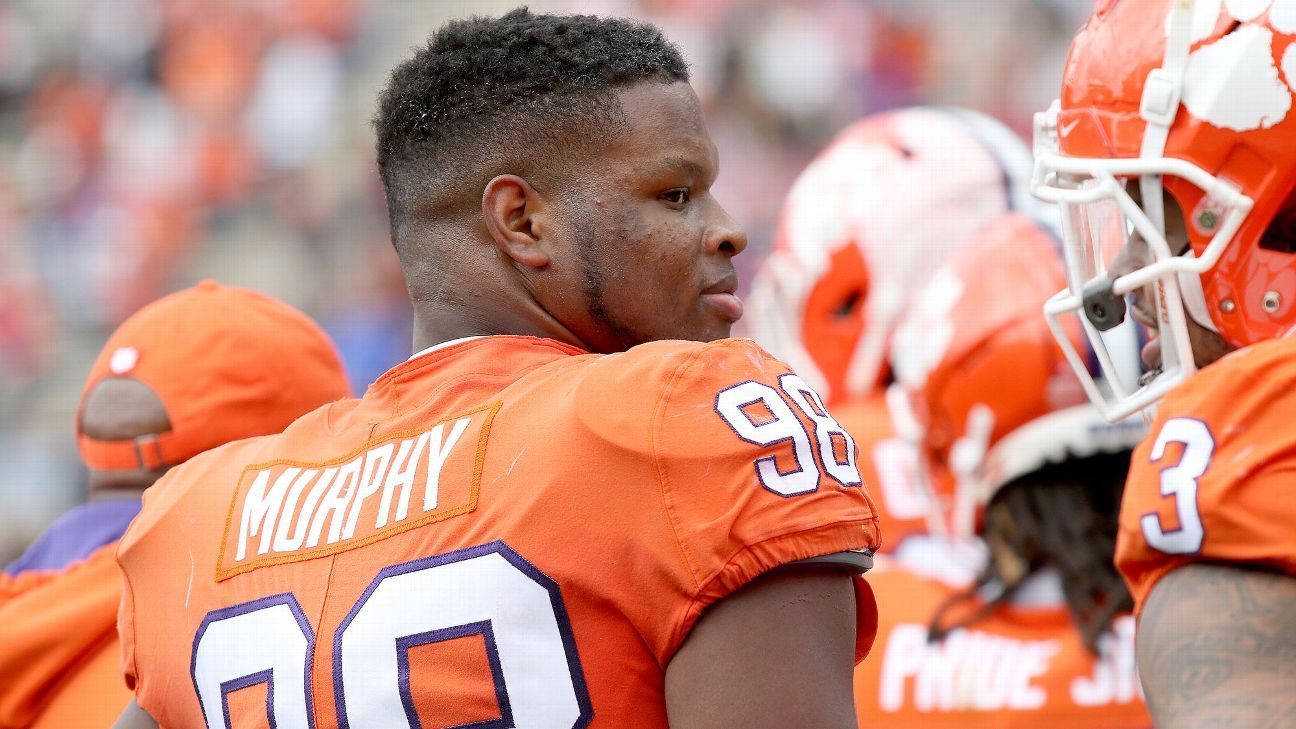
[776, 423]
[1180, 483]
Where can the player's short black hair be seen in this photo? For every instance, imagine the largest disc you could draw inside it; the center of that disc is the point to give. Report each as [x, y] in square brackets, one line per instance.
[493, 95]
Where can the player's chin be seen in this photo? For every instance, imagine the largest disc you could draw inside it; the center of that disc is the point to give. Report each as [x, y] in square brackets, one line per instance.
[1207, 346]
[721, 332]
[719, 329]
[706, 328]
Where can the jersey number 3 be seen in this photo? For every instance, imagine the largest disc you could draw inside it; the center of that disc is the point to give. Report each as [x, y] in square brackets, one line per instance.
[776, 423]
[1180, 483]
[488, 590]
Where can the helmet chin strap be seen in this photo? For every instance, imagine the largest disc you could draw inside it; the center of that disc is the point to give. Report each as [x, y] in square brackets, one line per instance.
[966, 459]
[1162, 93]
[910, 431]
[1194, 298]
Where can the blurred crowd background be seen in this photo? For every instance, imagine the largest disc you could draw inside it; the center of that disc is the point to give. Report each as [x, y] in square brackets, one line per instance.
[148, 144]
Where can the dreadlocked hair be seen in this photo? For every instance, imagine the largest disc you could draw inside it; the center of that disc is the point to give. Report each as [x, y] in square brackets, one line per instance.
[1062, 516]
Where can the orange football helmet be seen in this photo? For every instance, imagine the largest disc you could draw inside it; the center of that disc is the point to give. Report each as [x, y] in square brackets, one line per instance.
[1192, 100]
[866, 224]
[981, 385]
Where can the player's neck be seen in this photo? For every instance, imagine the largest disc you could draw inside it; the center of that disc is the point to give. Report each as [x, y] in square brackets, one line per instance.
[115, 493]
[440, 321]
[108, 485]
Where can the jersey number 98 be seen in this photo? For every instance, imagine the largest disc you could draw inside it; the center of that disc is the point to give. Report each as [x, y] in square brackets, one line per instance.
[777, 423]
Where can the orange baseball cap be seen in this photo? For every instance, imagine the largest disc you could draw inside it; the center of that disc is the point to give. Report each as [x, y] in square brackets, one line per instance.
[226, 362]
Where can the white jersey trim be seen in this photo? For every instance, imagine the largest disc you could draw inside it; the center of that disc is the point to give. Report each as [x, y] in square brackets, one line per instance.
[444, 345]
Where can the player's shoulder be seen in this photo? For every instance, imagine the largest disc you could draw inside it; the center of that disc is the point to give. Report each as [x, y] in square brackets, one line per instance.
[202, 486]
[197, 478]
[1210, 481]
[701, 368]
[1237, 407]
[627, 396]
[657, 365]
[1235, 389]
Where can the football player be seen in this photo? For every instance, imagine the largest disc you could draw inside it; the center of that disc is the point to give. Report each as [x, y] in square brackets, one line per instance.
[1042, 636]
[548, 516]
[184, 374]
[865, 225]
[1176, 120]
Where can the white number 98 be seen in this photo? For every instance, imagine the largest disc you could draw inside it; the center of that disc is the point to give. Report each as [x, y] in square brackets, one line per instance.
[782, 425]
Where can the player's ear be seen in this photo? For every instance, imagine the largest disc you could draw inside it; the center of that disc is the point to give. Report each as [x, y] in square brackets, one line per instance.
[513, 211]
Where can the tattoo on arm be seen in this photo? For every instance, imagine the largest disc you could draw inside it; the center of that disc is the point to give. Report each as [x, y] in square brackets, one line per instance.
[1217, 648]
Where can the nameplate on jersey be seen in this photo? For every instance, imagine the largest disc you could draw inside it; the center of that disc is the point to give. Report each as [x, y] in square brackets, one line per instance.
[288, 511]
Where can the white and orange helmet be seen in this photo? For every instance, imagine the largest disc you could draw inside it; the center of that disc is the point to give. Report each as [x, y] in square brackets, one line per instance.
[981, 387]
[1194, 100]
[866, 223]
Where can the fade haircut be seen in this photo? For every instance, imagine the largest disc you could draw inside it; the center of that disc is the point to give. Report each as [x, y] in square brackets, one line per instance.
[519, 94]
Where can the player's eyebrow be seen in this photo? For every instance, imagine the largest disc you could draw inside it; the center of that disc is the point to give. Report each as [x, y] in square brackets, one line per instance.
[676, 164]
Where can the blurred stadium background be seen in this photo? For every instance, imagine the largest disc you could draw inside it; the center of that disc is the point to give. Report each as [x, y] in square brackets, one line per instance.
[147, 144]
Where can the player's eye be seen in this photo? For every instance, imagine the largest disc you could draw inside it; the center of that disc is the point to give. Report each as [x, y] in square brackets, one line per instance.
[678, 196]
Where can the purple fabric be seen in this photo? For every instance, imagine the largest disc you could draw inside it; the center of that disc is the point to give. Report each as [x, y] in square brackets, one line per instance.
[76, 535]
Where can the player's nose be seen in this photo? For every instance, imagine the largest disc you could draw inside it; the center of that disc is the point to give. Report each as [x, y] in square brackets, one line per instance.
[725, 236]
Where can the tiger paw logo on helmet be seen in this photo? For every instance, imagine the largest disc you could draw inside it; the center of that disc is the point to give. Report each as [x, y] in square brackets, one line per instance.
[1234, 82]
[1174, 129]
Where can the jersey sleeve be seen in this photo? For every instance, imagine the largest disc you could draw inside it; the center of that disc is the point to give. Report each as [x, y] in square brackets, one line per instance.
[1214, 480]
[126, 633]
[48, 625]
[756, 474]
[137, 553]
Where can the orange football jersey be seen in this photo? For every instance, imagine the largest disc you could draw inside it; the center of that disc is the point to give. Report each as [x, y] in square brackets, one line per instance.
[888, 464]
[1019, 668]
[1210, 483]
[59, 655]
[504, 531]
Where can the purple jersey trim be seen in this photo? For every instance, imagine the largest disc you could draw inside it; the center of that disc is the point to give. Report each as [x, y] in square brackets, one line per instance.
[76, 535]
